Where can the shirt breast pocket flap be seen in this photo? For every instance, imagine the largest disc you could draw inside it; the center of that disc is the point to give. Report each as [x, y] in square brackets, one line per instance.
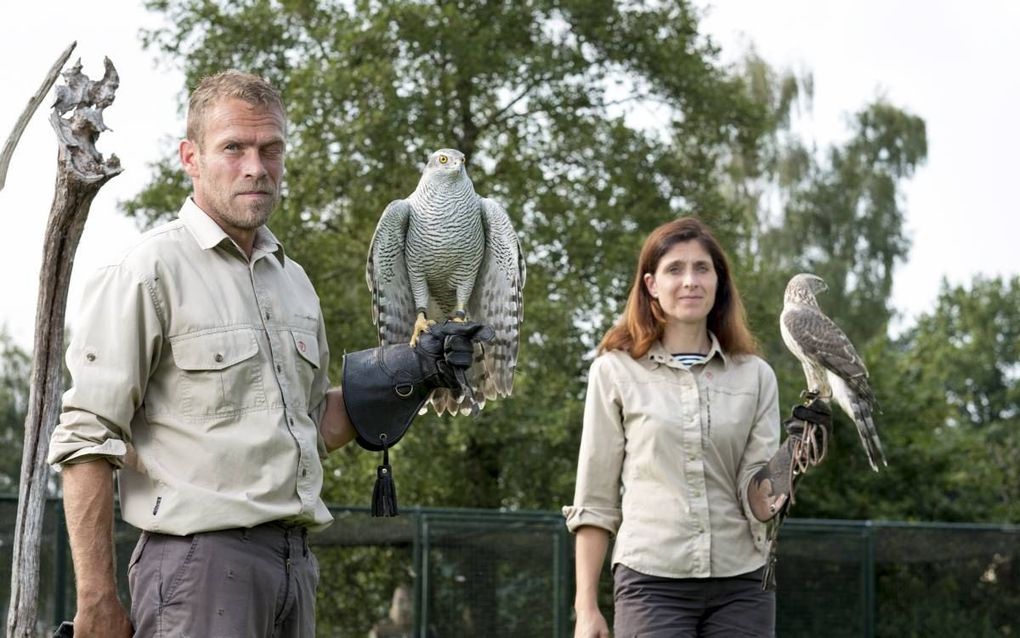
[307, 346]
[214, 350]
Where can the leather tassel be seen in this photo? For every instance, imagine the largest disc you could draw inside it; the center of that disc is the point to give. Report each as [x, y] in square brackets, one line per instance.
[384, 495]
[768, 577]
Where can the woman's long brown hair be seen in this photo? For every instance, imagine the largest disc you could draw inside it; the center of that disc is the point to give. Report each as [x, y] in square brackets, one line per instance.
[643, 321]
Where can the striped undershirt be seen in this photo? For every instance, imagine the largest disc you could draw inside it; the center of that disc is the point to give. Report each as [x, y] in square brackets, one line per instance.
[689, 359]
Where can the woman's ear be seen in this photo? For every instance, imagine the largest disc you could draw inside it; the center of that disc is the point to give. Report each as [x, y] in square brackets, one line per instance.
[650, 285]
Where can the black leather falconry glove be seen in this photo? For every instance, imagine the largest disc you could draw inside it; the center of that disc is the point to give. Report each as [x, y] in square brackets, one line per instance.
[385, 387]
[446, 350]
[816, 413]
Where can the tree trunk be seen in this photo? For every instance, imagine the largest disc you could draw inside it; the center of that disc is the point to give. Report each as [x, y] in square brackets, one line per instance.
[81, 172]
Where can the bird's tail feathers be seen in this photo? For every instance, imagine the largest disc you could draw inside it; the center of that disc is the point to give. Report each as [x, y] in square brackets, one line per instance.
[865, 422]
[858, 406]
[454, 402]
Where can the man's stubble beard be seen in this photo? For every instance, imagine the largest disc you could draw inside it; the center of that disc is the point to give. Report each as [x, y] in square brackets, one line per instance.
[256, 213]
[249, 216]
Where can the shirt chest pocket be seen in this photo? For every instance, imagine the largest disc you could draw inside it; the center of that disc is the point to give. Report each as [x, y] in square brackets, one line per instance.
[220, 373]
[304, 363]
[731, 415]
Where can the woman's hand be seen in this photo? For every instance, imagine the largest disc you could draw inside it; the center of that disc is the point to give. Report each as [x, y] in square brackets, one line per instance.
[591, 624]
[589, 554]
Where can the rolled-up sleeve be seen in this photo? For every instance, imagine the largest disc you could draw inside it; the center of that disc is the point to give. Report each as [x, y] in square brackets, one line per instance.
[114, 345]
[600, 461]
[763, 441]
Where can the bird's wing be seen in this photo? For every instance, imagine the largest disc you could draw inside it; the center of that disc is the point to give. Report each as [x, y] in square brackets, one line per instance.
[822, 341]
[386, 273]
[498, 301]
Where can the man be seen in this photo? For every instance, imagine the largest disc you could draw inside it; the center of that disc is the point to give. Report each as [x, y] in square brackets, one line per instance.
[199, 371]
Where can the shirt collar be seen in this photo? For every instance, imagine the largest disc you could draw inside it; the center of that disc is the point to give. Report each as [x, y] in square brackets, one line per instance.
[657, 354]
[208, 234]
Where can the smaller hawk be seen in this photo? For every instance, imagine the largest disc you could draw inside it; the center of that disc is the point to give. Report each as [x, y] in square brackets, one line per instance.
[832, 367]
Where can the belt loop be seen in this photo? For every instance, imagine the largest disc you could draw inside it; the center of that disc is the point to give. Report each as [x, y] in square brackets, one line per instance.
[244, 533]
[304, 540]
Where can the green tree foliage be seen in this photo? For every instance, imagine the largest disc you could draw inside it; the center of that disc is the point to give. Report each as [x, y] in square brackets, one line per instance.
[592, 122]
[15, 369]
[538, 95]
[844, 219]
[969, 349]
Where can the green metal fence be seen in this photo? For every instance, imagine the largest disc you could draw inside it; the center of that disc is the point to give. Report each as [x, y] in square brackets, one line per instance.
[510, 574]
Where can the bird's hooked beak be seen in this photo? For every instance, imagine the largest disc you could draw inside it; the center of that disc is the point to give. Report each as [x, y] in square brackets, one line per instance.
[818, 284]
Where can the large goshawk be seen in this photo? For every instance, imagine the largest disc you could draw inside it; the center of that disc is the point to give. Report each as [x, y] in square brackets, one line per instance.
[445, 252]
[832, 367]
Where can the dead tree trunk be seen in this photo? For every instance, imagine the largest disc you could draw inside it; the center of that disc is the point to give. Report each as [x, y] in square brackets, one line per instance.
[81, 172]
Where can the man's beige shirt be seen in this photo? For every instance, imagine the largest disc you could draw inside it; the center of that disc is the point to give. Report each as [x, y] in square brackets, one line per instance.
[202, 376]
[666, 455]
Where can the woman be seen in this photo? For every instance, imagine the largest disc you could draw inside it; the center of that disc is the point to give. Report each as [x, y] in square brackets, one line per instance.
[680, 415]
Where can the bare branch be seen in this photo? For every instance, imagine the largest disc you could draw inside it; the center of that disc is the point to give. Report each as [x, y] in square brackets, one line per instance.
[495, 117]
[26, 115]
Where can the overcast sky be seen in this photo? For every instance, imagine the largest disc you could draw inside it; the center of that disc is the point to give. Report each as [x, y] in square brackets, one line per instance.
[950, 62]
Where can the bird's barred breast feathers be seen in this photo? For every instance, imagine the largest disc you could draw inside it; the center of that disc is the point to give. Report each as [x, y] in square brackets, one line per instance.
[445, 241]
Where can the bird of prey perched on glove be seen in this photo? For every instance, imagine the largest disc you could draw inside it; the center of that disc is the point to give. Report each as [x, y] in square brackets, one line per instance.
[447, 253]
[832, 367]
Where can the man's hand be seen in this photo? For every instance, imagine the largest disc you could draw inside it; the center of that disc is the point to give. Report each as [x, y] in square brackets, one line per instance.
[446, 350]
[102, 617]
[385, 387]
[88, 506]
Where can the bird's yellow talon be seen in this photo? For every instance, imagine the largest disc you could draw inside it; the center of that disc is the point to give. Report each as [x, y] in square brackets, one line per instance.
[421, 324]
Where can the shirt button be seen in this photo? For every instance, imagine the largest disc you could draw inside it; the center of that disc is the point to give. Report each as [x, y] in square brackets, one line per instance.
[279, 368]
[267, 316]
[218, 357]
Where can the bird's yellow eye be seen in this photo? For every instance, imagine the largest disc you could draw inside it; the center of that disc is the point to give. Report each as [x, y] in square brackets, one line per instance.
[443, 159]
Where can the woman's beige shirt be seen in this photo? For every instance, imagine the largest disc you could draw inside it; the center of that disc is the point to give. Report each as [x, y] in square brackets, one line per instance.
[666, 455]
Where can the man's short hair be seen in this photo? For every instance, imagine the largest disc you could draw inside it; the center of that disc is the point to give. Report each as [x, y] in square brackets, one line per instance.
[230, 84]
